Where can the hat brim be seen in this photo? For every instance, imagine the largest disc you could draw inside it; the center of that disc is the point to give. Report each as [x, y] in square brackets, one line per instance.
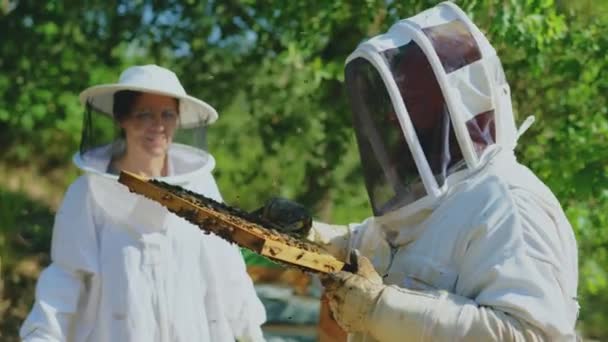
[193, 112]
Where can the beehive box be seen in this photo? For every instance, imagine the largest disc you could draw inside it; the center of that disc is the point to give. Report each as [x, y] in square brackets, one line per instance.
[234, 225]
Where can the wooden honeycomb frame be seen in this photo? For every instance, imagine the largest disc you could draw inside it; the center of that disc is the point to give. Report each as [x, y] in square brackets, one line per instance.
[234, 225]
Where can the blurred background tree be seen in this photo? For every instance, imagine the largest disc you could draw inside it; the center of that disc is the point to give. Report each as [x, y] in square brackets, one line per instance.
[274, 70]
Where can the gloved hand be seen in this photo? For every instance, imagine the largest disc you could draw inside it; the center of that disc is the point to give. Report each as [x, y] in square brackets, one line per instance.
[352, 296]
[285, 215]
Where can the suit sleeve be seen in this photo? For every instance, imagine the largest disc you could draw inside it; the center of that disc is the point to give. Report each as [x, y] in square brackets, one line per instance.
[73, 257]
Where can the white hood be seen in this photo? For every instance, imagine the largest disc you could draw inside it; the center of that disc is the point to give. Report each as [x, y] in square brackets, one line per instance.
[184, 163]
[428, 97]
[188, 167]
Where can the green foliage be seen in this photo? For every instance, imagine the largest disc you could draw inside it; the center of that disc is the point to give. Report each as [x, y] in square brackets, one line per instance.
[25, 232]
[274, 71]
[255, 259]
[24, 228]
[564, 86]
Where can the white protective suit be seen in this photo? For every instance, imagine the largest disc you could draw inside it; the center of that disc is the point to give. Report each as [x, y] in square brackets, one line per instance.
[494, 260]
[124, 269]
[469, 244]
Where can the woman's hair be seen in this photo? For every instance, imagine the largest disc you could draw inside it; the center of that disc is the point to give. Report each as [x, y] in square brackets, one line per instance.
[123, 103]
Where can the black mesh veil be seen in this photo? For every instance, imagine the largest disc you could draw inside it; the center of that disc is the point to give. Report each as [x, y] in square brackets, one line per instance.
[103, 139]
[100, 131]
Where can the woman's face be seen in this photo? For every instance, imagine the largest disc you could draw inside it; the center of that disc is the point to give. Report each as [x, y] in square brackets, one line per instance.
[150, 125]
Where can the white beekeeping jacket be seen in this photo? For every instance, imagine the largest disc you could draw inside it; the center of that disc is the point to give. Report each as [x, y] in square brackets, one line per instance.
[125, 269]
[493, 260]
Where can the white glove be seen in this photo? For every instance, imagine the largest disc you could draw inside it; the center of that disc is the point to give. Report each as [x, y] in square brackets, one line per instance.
[352, 296]
[335, 239]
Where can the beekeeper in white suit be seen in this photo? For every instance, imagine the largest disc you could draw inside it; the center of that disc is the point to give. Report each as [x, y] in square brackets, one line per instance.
[123, 268]
[465, 242]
